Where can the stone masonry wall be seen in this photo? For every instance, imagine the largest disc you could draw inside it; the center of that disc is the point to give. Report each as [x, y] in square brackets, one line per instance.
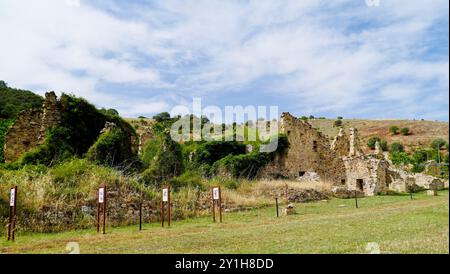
[341, 144]
[309, 151]
[28, 131]
[23, 134]
[51, 115]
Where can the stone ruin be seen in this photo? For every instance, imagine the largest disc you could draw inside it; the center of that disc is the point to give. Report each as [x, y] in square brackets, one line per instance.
[31, 126]
[309, 151]
[341, 163]
[28, 131]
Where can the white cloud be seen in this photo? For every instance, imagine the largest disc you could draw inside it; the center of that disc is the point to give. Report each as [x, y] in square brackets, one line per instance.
[324, 56]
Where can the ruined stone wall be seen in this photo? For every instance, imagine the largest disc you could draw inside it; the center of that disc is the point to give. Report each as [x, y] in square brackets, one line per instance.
[309, 151]
[23, 134]
[369, 175]
[51, 115]
[28, 131]
[341, 144]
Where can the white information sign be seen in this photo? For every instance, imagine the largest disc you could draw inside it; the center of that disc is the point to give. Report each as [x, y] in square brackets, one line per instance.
[101, 195]
[216, 193]
[12, 197]
[165, 195]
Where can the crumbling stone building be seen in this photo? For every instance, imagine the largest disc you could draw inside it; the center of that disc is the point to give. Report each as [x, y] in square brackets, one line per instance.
[342, 162]
[28, 131]
[309, 152]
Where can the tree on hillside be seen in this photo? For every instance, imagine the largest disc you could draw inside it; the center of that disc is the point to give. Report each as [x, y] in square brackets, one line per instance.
[3, 84]
[405, 131]
[397, 147]
[109, 112]
[340, 117]
[394, 130]
[337, 123]
[372, 141]
[163, 116]
[13, 101]
[438, 143]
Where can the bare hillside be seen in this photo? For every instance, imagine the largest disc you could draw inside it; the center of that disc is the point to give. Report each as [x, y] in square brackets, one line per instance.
[422, 132]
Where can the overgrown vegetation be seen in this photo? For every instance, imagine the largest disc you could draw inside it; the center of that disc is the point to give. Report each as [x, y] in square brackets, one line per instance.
[373, 140]
[166, 164]
[417, 159]
[13, 101]
[112, 148]
[79, 129]
[4, 126]
[248, 165]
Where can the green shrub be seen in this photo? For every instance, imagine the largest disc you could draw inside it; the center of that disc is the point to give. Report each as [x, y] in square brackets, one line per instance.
[337, 123]
[212, 151]
[438, 143]
[248, 165]
[394, 130]
[83, 121]
[399, 157]
[111, 149]
[13, 101]
[150, 150]
[405, 131]
[167, 163]
[187, 179]
[304, 118]
[397, 147]
[163, 116]
[54, 149]
[372, 141]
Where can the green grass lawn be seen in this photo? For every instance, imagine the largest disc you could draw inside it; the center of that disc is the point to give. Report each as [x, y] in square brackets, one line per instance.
[395, 223]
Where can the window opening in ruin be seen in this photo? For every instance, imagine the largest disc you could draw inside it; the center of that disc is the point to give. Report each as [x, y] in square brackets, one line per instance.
[301, 173]
[359, 184]
[315, 146]
[343, 181]
[289, 132]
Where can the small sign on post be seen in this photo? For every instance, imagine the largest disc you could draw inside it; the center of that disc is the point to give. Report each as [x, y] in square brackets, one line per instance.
[102, 202]
[165, 200]
[216, 196]
[12, 213]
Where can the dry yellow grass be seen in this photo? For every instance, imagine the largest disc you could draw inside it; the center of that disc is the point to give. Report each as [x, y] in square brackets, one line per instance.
[262, 192]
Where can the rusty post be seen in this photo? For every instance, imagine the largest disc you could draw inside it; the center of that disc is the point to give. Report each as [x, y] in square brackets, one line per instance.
[98, 211]
[104, 209]
[162, 213]
[220, 204]
[276, 206]
[168, 205]
[140, 216]
[14, 214]
[213, 205]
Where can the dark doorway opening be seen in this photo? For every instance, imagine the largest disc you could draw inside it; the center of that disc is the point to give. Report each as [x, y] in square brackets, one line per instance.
[359, 184]
[315, 146]
[301, 173]
[343, 181]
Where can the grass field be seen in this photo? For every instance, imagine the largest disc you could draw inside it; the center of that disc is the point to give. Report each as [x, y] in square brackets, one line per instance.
[395, 223]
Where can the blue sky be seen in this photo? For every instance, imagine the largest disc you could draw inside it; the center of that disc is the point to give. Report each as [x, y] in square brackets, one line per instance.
[325, 58]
